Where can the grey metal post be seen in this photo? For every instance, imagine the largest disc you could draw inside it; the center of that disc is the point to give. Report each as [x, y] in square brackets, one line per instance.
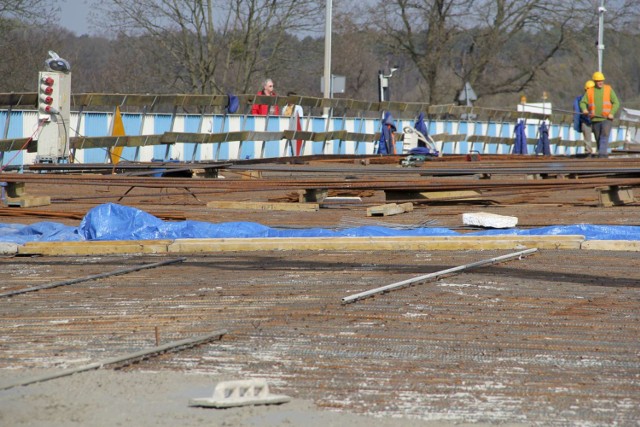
[601, 11]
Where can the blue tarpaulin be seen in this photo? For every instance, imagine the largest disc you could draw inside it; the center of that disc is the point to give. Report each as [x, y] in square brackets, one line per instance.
[116, 222]
[385, 144]
[423, 148]
[520, 143]
[542, 147]
[421, 127]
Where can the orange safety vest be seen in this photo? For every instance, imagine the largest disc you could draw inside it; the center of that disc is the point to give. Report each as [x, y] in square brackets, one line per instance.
[606, 101]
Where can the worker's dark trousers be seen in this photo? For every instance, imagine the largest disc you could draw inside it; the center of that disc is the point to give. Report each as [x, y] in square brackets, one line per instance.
[601, 131]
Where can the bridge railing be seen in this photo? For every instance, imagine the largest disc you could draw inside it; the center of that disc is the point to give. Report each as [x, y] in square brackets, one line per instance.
[197, 127]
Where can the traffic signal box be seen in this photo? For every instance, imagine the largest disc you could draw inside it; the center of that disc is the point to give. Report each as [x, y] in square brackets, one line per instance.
[54, 104]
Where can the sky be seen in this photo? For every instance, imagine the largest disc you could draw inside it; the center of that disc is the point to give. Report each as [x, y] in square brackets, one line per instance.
[74, 16]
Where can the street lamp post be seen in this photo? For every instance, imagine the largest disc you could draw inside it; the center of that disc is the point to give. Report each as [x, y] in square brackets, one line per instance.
[383, 84]
[327, 54]
[601, 11]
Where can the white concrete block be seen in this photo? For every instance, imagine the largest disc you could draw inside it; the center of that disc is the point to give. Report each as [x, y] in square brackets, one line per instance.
[227, 394]
[8, 248]
[489, 220]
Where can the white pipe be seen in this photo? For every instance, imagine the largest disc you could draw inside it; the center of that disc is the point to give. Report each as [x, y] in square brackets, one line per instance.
[437, 274]
[327, 53]
[601, 11]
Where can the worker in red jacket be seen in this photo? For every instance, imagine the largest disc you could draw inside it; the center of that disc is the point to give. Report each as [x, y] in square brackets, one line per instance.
[264, 109]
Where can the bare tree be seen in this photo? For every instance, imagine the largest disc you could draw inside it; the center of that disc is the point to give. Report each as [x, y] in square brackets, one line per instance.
[23, 53]
[25, 11]
[356, 55]
[17, 17]
[499, 46]
[213, 46]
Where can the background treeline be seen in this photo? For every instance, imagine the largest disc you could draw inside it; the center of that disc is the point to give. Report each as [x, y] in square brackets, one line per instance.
[504, 48]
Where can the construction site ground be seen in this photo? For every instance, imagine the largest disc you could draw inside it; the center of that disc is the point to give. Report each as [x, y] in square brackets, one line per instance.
[547, 339]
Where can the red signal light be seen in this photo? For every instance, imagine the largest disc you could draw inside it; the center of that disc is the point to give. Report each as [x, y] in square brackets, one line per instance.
[48, 81]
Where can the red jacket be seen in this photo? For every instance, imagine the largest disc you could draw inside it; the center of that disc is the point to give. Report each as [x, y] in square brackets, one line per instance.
[263, 109]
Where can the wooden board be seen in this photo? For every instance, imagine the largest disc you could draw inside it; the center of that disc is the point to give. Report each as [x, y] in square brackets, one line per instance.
[389, 209]
[612, 245]
[431, 195]
[103, 247]
[264, 206]
[28, 201]
[196, 246]
[378, 243]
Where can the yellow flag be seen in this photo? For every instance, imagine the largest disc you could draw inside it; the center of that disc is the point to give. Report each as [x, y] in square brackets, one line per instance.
[117, 130]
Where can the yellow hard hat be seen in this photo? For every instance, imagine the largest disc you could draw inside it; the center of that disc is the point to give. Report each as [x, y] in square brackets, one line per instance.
[589, 84]
[597, 76]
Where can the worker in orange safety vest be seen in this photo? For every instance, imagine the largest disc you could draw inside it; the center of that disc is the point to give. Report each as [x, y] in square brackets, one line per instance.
[601, 104]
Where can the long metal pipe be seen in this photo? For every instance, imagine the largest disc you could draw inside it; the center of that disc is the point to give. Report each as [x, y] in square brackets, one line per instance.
[601, 11]
[327, 53]
[92, 277]
[436, 275]
[126, 359]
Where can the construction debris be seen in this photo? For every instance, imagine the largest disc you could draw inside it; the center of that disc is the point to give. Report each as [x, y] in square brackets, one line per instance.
[489, 220]
[7, 248]
[227, 394]
[615, 195]
[389, 209]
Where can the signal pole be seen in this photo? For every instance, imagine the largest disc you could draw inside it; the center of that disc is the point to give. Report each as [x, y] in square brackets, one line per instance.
[601, 11]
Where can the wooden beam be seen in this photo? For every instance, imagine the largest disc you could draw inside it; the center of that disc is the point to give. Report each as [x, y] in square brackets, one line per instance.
[195, 246]
[389, 209]
[264, 206]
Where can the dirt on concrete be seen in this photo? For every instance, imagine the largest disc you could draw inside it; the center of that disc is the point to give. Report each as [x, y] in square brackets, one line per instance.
[549, 339]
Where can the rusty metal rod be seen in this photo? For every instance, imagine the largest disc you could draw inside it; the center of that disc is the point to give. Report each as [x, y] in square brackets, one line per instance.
[92, 277]
[120, 360]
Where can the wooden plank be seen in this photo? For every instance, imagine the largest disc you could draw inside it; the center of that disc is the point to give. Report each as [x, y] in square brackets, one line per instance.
[432, 195]
[19, 99]
[103, 247]
[194, 246]
[265, 206]
[445, 137]
[359, 136]
[297, 134]
[115, 141]
[28, 201]
[389, 209]
[612, 245]
[18, 144]
[378, 243]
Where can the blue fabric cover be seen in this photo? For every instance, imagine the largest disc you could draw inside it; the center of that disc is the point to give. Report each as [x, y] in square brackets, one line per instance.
[578, 117]
[420, 125]
[520, 143]
[542, 147]
[233, 104]
[116, 222]
[385, 144]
